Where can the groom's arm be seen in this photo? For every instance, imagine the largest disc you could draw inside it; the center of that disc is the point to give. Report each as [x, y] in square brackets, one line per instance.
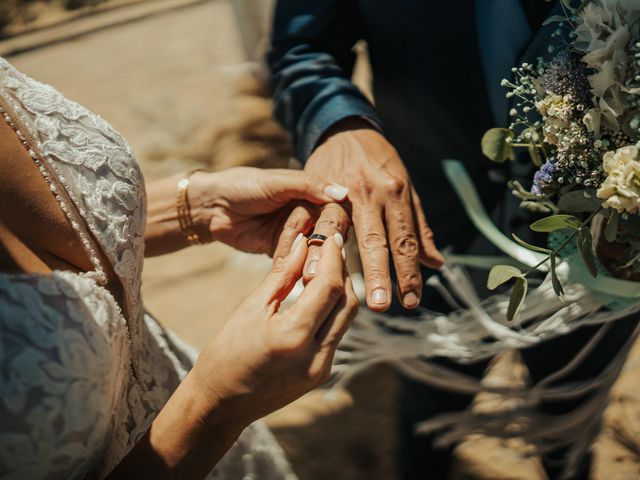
[337, 133]
[311, 62]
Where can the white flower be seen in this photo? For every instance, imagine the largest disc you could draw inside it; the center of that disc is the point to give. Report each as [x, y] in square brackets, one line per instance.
[621, 188]
[592, 121]
[604, 28]
[556, 111]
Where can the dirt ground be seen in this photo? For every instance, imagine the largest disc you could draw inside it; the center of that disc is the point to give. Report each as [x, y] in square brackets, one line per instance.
[175, 84]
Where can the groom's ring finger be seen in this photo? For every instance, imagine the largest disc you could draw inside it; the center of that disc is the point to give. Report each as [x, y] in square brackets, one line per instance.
[333, 219]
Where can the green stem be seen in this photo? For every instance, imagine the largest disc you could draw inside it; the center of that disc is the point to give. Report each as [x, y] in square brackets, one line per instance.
[564, 244]
[526, 145]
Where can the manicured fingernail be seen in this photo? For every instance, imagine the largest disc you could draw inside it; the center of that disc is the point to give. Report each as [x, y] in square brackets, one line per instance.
[344, 254]
[379, 296]
[338, 239]
[410, 300]
[335, 191]
[312, 267]
[296, 242]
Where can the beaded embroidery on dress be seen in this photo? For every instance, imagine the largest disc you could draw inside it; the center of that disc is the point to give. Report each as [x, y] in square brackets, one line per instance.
[70, 404]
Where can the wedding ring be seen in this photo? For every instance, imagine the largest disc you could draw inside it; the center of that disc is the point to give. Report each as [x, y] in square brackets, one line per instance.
[316, 239]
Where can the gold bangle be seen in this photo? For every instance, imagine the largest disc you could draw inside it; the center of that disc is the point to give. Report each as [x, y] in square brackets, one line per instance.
[183, 209]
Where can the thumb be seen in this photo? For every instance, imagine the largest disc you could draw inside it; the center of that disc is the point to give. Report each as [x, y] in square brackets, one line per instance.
[300, 185]
[284, 273]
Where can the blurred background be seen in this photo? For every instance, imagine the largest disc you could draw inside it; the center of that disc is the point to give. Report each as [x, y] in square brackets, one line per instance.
[183, 81]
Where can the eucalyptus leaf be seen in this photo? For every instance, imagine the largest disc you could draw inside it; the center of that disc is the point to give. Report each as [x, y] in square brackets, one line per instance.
[520, 192]
[518, 294]
[535, 155]
[501, 274]
[496, 144]
[579, 201]
[555, 281]
[556, 222]
[555, 18]
[611, 229]
[585, 247]
[529, 246]
[634, 259]
[536, 207]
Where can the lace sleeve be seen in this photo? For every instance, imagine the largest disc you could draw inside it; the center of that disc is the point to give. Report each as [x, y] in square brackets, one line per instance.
[62, 354]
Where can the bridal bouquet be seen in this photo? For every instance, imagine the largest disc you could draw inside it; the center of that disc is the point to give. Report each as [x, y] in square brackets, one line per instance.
[578, 116]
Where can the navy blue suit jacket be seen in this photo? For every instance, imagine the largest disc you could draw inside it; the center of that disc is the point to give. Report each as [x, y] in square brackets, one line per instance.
[429, 89]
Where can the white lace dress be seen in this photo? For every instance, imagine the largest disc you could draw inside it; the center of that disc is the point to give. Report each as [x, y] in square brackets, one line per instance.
[81, 381]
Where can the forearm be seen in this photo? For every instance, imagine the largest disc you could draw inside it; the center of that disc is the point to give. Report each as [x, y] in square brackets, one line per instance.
[186, 440]
[311, 62]
[163, 233]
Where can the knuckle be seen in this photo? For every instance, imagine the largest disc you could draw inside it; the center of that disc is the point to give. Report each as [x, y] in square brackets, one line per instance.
[407, 245]
[395, 185]
[373, 240]
[333, 342]
[410, 279]
[426, 232]
[364, 188]
[327, 224]
[294, 222]
[353, 305]
[376, 277]
[309, 179]
[334, 289]
[334, 212]
[319, 374]
[279, 265]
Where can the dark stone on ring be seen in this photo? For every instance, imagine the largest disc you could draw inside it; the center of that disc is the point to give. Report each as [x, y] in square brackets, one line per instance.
[316, 238]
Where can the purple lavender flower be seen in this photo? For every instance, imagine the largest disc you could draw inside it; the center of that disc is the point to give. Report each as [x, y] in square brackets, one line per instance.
[543, 178]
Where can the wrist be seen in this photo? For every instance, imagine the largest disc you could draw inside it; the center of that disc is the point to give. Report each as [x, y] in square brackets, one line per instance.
[173, 203]
[186, 438]
[211, 403]
[351, 124]
[207, 409]
[201, 194]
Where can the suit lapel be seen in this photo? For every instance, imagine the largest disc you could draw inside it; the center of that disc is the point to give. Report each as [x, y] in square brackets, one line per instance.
[539, 44]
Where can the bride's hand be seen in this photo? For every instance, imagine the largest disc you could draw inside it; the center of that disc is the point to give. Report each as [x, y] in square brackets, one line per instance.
[247, 208]
[264, 359]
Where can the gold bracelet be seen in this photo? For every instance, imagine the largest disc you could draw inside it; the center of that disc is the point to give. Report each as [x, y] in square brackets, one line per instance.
[183, 209]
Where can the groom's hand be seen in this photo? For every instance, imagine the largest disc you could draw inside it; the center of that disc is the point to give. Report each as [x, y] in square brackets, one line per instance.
[386, 211]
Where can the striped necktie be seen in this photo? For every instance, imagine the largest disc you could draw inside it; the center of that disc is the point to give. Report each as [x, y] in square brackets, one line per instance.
[504, 32]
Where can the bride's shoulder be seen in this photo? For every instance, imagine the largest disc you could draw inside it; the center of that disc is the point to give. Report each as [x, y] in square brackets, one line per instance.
[84, 158]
